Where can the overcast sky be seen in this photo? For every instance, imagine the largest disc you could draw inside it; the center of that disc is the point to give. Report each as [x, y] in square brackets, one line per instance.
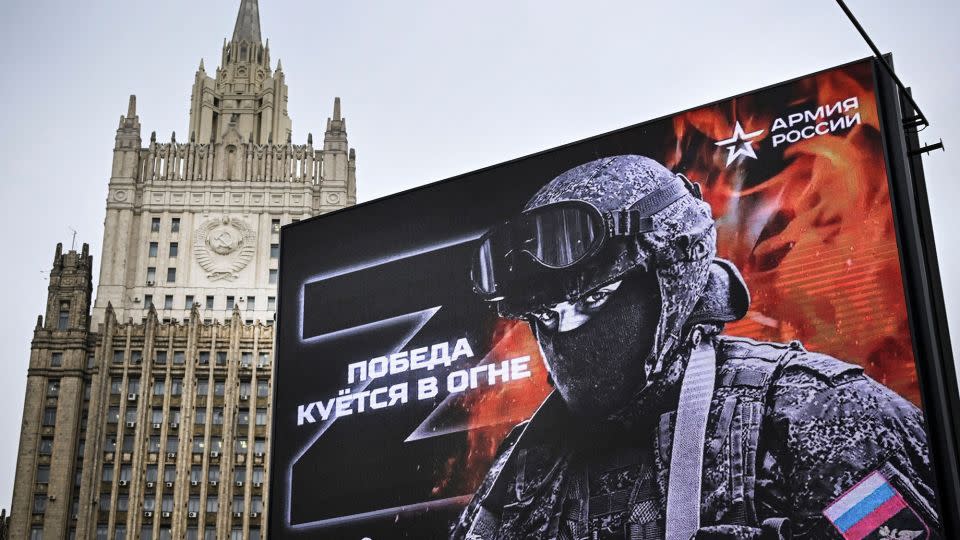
[430, 89]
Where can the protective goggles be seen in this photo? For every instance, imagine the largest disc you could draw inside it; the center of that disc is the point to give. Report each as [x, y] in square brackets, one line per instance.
[559, 236]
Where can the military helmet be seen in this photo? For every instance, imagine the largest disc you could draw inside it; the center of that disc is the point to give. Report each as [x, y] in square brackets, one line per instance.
[594, 224]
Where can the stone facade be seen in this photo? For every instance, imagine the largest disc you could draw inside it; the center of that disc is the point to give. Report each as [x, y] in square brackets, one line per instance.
[147, 413]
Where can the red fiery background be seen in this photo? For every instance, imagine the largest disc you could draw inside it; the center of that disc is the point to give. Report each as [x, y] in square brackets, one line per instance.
[811, 231]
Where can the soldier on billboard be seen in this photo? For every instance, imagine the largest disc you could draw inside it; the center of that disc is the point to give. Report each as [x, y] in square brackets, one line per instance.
[660, 426]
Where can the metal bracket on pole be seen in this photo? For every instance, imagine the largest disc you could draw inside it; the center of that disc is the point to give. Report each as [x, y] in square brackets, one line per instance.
[919, 120]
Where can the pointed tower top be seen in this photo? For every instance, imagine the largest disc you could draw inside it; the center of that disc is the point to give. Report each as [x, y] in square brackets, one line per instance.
[132, 106]
[279, 65]
[248, 22]
[336, 109]
[201, 65]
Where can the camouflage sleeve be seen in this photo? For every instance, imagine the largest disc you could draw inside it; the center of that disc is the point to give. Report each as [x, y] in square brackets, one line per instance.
[842, 456]
[477, 518]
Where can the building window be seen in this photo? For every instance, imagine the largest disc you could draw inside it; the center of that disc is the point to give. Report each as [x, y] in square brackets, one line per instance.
[39, 504]
[273, 276]
[107, 473]
[152, 252]
[175, 225]
[46, 446]
[91, 361]
[188, 302]
[274, 251]
[272, 303]
[136, 356]
[63, 321]
[238, 507]
[56, 359]
[117, 357]
[213, 475]
[158, 387]
[170, 473]
[240, 446]
[244, 388]
[153, 444]
[261, 416]
[256, 504]
[251, 302]
[210, 533]
[275, 225]
[179, 358]
[105, 502]
[53, 388]
[125, 473]
[50, 416]
[168, 301]
[116, 384]
[209, 302]
[113, 415]
[110, 443]
[192, 532]
[197, 447]
[161, 359]
[174, 249]
[246, 359]
[171, 275]
[229, 302]
[218, 387]
[200, 416]
[259, 446]
[43, 474]
[176, 384]
[167, 503]
[204, 358]
[212, 505]
[221, 358]
[263, 359]
[196, 474]
[151, 275]
[263, 389]
[257, 475]
[146, 533]
[155, 225]
[122, 504]
[156, 415]
[216, 445]
[36, 533]
[243, 418]
[254, 534]
[217, 416]
[203, 387]
[130, 415]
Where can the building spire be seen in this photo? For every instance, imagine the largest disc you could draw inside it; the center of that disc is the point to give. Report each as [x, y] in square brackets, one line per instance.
[248, 23]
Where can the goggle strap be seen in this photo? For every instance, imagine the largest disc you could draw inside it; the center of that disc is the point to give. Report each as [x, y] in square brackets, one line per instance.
[639, 218]
[661, 197]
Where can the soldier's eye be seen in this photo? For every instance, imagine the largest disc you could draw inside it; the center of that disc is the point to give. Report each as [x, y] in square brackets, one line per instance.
[596, 297]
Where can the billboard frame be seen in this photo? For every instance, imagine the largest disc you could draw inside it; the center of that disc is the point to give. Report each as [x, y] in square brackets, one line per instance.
[937, 374]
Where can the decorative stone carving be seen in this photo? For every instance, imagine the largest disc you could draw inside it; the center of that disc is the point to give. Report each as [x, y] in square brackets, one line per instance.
[223, 247]
[120, 195]
[333, 198]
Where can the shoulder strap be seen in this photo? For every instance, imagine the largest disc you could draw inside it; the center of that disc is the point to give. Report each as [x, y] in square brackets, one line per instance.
[686, 459]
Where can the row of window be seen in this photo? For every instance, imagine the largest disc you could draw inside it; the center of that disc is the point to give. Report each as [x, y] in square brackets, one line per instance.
[175, 225]
[120, 533]
[172, 277]
[170, 474]
[166, 504]
[199, 415]
[198, 445]
[203, 358]
[176, 386]
[173, 250]
[188, 300]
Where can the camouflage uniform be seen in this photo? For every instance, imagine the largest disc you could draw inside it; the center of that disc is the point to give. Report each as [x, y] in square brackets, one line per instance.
[790, 434]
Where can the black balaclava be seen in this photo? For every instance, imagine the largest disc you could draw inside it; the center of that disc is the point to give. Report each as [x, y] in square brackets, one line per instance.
[599, 366]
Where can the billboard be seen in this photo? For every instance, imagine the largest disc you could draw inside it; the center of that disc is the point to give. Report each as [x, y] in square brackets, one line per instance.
[699, 325]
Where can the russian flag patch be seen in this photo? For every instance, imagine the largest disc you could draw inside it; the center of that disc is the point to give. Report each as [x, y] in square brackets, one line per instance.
[874, 510]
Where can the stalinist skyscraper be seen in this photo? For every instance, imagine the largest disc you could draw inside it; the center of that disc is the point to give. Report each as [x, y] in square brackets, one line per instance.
[147, 408]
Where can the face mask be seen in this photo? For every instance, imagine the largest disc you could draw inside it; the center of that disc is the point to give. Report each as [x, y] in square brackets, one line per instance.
[598, 366]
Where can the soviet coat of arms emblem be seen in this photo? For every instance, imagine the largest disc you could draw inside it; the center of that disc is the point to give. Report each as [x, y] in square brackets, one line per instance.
[223, 247]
